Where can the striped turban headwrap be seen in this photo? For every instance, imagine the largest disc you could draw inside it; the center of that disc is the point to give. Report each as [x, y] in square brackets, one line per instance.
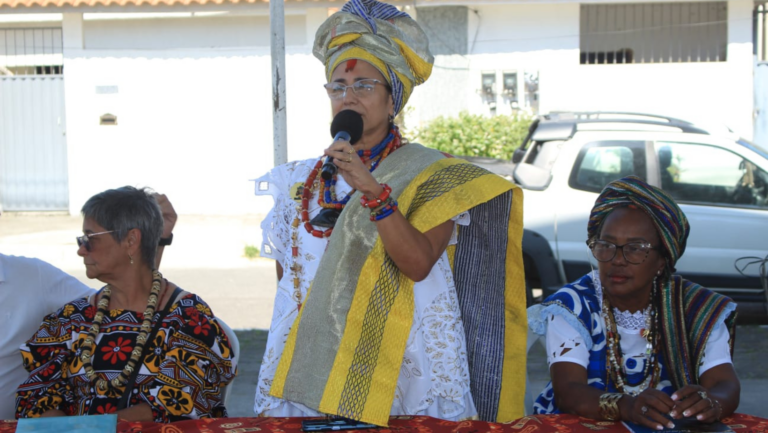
[381, 35]
[670, 221]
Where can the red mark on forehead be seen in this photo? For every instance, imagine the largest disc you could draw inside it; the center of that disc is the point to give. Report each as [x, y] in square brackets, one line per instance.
[351, 63]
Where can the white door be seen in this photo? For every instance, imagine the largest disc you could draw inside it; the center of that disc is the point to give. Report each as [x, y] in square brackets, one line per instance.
[33, 148]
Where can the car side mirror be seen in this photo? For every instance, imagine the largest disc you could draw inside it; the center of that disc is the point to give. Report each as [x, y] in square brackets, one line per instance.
[518, 155]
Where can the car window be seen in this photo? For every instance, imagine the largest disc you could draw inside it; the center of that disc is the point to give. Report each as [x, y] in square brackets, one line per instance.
[543, 154]
[703, 174]
[535, 170]
[602, 162]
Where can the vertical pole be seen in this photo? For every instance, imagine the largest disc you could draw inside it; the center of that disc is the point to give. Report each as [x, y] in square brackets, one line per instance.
[277, 40]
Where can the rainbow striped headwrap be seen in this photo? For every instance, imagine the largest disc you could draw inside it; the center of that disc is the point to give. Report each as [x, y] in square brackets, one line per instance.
[381, 35]
[669, 219]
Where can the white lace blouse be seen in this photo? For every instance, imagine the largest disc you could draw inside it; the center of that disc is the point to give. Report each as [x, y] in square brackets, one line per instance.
[434, 377]
[565, 344]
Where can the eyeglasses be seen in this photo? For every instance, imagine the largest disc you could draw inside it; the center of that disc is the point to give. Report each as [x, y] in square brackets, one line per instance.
[85, 239]
[360, 88]
[634, 252]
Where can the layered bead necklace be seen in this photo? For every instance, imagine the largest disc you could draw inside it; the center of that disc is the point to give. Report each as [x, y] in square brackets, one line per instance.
[327, 197]
[86, 354]
[615, 359]
[328, 200]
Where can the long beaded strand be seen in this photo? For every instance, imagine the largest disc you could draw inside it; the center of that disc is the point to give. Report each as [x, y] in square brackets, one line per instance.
[86, 354]
[377, 154]
[327, 188]
[615, 360]
[327, 197]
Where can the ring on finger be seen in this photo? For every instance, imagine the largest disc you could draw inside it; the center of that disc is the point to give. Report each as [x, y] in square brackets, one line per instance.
[350, 151]
[703, 395]
[349, 159]
[644, 409]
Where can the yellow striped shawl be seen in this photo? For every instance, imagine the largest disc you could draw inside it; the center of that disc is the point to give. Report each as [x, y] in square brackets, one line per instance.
[345, 350]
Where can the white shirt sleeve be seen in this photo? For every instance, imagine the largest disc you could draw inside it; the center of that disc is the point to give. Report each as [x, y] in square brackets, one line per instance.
[276, 230]
[57, 287]
[718, 350]
[461, 219]
[564, 343]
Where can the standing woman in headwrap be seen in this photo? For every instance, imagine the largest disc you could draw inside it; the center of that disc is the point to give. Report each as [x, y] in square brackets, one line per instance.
[631, 341]
[394, 310]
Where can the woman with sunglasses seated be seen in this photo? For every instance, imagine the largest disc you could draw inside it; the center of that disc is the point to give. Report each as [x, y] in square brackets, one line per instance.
[632, 341]
[141, 346]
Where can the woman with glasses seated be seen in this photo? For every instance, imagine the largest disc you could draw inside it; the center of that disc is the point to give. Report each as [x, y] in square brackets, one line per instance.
[631, 341]
[394, 318]
[140, 347]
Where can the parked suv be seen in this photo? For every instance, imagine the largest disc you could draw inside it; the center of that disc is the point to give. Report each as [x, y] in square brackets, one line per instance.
[719, 180]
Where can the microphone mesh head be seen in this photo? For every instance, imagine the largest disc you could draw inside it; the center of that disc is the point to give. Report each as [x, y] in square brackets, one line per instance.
[349, 121]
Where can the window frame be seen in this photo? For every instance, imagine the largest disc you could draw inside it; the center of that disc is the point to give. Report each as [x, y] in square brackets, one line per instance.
[653, 32]
[638, 147]
[657, 143]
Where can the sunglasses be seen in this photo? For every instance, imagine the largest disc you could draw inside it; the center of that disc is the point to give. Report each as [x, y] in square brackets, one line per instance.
[85, 239]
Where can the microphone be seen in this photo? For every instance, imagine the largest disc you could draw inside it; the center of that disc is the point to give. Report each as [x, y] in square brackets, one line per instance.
[346, 126]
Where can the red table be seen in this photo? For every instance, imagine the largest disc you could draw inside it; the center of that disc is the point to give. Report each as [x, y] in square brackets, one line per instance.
[420, 424]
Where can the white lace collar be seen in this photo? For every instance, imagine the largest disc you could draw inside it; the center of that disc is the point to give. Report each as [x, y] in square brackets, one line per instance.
[624, 319]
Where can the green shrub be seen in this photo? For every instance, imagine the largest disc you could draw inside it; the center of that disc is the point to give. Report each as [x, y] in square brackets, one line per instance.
[475, 135]
[251, 252]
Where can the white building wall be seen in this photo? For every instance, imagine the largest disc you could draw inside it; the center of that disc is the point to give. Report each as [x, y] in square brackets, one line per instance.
[544, 39]
[188, 31]
[194, 123]
[194, 110]
[502, 38]
[717, 93]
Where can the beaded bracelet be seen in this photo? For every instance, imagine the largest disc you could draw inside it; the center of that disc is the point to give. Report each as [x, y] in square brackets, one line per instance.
[609, 406]
[385, 210]
[368, 203]
[384, 204]
[719, 408]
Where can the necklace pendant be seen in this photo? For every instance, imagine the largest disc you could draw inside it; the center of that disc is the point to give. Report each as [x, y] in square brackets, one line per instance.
[326, 218]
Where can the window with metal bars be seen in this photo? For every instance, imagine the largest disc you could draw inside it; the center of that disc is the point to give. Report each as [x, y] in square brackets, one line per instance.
[679, 32]
[31, 51]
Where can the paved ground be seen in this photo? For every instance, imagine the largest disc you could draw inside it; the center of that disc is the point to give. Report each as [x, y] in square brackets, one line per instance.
[207, 258]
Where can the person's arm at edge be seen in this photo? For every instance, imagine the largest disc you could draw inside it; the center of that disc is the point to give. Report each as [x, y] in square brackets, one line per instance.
[169, 222]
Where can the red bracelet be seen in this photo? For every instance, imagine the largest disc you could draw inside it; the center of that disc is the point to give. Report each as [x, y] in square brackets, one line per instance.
[377, 201]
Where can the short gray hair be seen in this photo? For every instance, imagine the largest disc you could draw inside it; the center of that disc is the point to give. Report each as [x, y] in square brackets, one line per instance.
[122, 209]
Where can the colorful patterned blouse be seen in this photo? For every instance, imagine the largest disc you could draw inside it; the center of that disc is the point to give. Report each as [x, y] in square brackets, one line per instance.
[185, 369]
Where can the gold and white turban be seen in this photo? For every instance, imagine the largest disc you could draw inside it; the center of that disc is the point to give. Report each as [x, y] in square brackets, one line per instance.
[381, 35]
